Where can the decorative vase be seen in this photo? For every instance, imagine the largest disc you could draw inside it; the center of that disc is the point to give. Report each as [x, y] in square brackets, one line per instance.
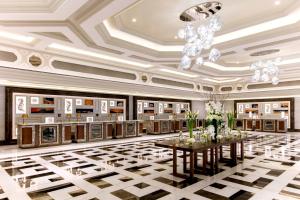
[191, 127]
[215, 124]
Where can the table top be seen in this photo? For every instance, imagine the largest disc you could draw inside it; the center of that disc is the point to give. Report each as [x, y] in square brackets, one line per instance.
[198, 146]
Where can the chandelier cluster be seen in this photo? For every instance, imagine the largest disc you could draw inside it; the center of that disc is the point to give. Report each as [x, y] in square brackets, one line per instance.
[266, 71]
[198, 39]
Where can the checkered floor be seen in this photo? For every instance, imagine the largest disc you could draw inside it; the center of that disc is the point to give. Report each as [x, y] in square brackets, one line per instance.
[139, 170]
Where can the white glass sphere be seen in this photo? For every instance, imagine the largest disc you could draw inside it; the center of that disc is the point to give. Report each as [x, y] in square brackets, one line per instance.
[265, 77]
[181, 33]
[185, 62]
[275, 80]
[215, 23]
[199, 61]
[214, 55]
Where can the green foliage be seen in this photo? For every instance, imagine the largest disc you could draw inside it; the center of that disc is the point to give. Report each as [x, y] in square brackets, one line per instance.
[230, 119]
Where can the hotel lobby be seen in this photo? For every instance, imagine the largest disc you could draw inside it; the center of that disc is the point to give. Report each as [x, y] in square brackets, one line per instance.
[149, 99]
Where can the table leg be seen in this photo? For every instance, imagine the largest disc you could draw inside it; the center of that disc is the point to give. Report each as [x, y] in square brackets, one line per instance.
[234, 154]
[242, 150]
[204, 161]
[191, 164]
[212, 159]
[216, 159]
[184, 161]
[174, 161]
[196, 159]
[221, 153]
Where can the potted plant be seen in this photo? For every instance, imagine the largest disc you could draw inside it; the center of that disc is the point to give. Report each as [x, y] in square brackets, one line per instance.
[191, 118]
[230, 120]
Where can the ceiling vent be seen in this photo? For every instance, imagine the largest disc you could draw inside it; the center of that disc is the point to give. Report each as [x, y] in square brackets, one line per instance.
[172, 83]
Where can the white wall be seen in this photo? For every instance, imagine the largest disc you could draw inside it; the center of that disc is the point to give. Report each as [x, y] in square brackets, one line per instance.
[199, 106]
[2, 113]
[229, 106]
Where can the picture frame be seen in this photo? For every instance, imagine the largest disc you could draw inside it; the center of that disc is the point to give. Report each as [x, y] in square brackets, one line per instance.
[49, 120]
[160, 108]
[34, 100]
[140, 108]
[78, 102]
[68, 106]
[89, 102]
[178, 108]
[112, 103]
[152, 117]
[48, 100]
[247, 105]
[21, 104]
[165, 105]
[104, 107]
[240, 108]
[275, 105]
[268, 108]
[145, 104]
[89, 119]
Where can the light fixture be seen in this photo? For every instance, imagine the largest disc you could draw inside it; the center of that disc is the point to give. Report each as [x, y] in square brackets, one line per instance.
[179, 73]
[266, 71]
[70, 49]
[198, 39]
[277, 3]
[133, 20]
[16, 37]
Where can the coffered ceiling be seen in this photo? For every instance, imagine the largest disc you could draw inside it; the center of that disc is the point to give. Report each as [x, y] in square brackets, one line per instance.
[139, 35]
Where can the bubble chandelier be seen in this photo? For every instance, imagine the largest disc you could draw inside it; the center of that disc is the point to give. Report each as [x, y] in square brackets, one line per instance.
[197, 39]
[266, 70]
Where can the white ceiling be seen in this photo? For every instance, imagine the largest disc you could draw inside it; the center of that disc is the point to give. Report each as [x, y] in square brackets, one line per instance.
[105, 27]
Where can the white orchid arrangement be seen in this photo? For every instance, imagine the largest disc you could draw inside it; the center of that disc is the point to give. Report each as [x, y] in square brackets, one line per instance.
[215, 110]
[219, 137]
[191, 118]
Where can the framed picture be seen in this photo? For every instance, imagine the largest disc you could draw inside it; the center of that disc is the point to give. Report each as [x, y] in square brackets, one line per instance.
[88, 102]
[48, 100]
[140, 108]
[268, 108]
[151, 105]
[20, 105]
[39, 110]
[68, 106]
[78, 102]
[171, 117]
[160, 108]
[34, 100]
[120, 103]
[89, 119]
[182, 106]
[247, 105]
[275, 105]
[241, 108]
[152, 117]
[104, 107]
[177, 108]
[165, 105]
[111, 103]
[145, 104]
[49, 120]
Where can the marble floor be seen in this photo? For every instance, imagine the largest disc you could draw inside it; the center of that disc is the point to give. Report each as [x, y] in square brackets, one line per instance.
[134, 168]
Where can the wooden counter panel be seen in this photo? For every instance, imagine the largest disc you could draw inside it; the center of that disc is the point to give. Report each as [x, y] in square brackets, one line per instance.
[80, 132]
[27, 135]
[68, 133]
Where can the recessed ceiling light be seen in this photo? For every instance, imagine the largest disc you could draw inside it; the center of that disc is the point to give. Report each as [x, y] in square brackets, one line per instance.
[277, 3]
[133, 20]
[70, 49]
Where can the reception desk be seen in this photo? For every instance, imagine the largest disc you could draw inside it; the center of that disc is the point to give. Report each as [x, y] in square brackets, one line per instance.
[162, 126]
[42, 134]
[265, 125]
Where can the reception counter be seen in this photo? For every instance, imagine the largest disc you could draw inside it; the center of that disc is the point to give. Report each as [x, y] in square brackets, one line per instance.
[42, 134]
[265, 125]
